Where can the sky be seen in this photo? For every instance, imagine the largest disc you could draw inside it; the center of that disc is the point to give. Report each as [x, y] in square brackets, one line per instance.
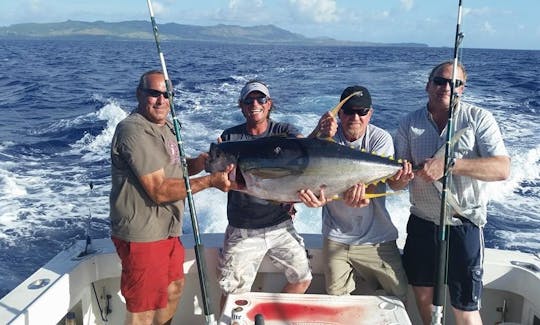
[499, 24]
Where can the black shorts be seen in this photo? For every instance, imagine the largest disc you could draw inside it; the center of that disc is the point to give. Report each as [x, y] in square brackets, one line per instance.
[465, 260]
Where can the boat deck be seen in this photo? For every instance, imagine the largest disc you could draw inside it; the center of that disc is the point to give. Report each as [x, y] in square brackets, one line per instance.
[88, 285]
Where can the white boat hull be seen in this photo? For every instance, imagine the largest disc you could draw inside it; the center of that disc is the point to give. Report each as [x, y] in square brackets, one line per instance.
[84, 285]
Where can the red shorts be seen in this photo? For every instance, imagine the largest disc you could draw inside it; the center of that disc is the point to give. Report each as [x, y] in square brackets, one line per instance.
[147, 271]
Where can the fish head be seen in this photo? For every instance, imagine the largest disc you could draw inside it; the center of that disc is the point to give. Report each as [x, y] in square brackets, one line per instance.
[218, 159]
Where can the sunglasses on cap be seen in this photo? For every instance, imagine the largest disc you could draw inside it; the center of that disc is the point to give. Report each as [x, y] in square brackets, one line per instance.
[251, 100]
[156, 93]
[361, 111]
[440, 81]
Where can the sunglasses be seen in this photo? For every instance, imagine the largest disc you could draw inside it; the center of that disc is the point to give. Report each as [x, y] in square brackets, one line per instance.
[440, 81]
[361, 112]
[251, 100]
[156, 93]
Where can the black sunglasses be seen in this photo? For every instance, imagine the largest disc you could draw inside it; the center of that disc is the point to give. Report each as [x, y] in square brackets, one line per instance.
[361, 112]
[440, 81]
[251, 100]
[156, 93]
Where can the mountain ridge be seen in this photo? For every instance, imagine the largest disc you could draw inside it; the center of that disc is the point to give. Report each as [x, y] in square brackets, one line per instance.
[142, 30]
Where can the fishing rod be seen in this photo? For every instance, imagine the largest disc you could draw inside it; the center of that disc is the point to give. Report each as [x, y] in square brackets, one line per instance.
[199, 248]
[440, 294]
[88, 246]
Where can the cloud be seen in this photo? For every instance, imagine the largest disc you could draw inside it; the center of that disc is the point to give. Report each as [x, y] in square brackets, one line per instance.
[242, 4]
[488, 28]
[487, 12]
[233, 4]
[35, 5]
[407, 4]
[158, 8]
[320, 11]
[241, 10]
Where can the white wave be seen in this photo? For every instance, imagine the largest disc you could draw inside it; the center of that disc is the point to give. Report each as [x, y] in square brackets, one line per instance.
[62, 125]
[243, 79]
[97, 147]
[4, 145]
[11, 186]
[42, 193]
[524, 167]
[211, 208]
[514, 240]
[8, 217]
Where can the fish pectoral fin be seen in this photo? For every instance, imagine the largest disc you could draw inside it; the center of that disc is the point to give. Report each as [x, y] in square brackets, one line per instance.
[271, 173]
[280, 135]
[327, 139]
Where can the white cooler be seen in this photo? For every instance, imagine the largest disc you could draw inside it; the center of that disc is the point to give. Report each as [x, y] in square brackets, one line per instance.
[312, 309]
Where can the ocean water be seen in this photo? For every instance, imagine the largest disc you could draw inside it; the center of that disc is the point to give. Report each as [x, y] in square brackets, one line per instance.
[60, 102]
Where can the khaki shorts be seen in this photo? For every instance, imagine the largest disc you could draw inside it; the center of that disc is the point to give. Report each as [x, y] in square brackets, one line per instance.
[379, 265]
[244, 249]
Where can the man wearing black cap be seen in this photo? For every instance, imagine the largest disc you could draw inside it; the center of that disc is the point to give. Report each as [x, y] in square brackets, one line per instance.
[359, 237]
[258, 227]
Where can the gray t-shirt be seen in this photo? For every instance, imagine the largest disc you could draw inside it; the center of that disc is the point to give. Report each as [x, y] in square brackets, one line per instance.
[140, 147]
[367, 225]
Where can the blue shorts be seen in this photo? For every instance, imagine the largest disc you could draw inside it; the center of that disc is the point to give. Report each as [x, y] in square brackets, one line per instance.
[465, 260]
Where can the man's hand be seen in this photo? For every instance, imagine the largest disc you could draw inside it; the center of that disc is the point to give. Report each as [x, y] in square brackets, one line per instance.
[432, 170]
[223, 180]
[402, 178]
[311, 200]
[326, 128]
[355, 196]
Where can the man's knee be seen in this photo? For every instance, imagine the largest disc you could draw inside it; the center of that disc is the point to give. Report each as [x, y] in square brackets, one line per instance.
[467, 317]
[175, 289]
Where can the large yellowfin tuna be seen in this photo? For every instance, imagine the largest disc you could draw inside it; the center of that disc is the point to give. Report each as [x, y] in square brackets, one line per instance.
[276, 168]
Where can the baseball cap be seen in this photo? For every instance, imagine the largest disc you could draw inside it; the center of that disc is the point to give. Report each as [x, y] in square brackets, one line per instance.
[362, 99]
[252, 86]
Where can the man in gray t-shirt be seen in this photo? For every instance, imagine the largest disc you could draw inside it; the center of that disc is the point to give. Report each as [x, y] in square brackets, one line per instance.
[359, 236]
[146, 204]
